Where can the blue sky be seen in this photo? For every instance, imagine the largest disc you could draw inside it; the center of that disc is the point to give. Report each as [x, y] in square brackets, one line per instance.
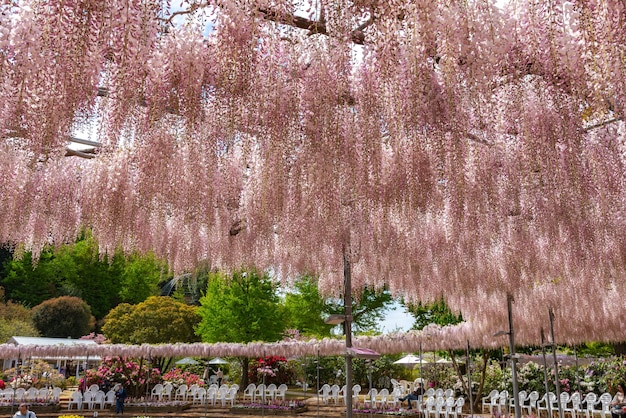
[397, 318]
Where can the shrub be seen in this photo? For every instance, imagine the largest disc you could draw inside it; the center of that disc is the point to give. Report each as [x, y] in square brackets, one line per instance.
[65, 316]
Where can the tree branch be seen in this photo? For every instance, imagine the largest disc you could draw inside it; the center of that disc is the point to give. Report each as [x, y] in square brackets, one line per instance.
[601, 124]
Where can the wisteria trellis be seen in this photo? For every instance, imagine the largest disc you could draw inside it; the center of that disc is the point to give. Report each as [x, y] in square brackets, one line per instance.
[472, 150]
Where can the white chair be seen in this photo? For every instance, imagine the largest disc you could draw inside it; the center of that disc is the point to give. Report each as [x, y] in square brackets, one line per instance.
[8, 395]
[156, 392]
[438, 393]
[448, 393]
[342, 394]
[94, 388]
[98, 401]
[167, 391]
[590, 401]
[429, 392]
[248, 392]
[281, 391]
[44, 394]
[533, 397]
[605, 401]
[575, 401]
[75, 399]
[458, 407]
[20, 395]
[522, 398]
[563, 400]
[88, 398]
[440, 406]
[324, 393]
[503, 400]
[31, 394]
[370, 398]
[490, 400]
[55, 394]
[211, 395]
[547, 403]
[383, 398]
[449, 405]
[229, 396]
[192, 391]
[181, 393]
[334, 393]
[259, 392]
[270, 391]
[199, 396]
[429, 407]
[109, 398]
[356, 391]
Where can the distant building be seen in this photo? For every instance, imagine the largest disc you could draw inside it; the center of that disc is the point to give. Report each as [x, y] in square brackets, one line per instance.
[70, 365]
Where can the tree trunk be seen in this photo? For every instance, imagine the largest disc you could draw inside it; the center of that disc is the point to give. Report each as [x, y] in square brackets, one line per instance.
[244, 371]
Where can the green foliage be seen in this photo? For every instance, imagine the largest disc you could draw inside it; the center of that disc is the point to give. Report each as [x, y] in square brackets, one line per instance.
[241, 309]
[276, 369]
[15, 319]
[159, 319]
[433, 313]
[13, 327]
[305, 307]
[73, 270]
[65, 316]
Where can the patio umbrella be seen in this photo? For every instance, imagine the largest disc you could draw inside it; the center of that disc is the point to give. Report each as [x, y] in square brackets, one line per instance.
[410, 360]
[218, 360]
[186, 361]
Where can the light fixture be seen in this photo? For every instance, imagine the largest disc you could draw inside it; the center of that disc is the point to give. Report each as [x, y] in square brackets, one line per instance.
[335, 319]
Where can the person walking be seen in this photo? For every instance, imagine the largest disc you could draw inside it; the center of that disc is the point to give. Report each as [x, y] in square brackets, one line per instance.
[120, 397]
[23, 412]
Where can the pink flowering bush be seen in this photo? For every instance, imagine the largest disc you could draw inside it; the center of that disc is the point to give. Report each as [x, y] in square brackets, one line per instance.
[131, 374]
[179, 377]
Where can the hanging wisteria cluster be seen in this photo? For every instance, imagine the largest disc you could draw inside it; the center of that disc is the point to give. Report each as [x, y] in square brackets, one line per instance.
[460, 148]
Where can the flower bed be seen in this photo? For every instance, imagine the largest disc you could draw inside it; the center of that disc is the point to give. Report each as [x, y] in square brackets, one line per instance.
[273, 409]
[154, 407]
[366, 413]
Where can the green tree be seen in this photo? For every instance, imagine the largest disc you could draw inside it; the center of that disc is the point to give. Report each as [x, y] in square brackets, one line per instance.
[158, 319]
[241, 309]
[438, 313]
[15, 319]
[305, 307]
[73, 269]
[31, 284]
[65, 316]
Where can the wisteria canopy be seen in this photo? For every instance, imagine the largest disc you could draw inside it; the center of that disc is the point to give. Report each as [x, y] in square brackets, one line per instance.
[470, 149]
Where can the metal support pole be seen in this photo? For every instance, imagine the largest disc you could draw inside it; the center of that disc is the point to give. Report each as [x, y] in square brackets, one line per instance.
[369, 377]
[469, 380]
[347, 326]
[557, 383]
[518, 407]
[545, 374]
[317, 363]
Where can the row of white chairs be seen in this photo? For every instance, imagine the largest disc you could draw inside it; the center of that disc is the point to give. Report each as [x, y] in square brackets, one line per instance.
[264, 393]
[30, 395]
[438, 406]
[337, 394]
[574, 404]
[91, 399]
[183, 392]
[224, 394]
